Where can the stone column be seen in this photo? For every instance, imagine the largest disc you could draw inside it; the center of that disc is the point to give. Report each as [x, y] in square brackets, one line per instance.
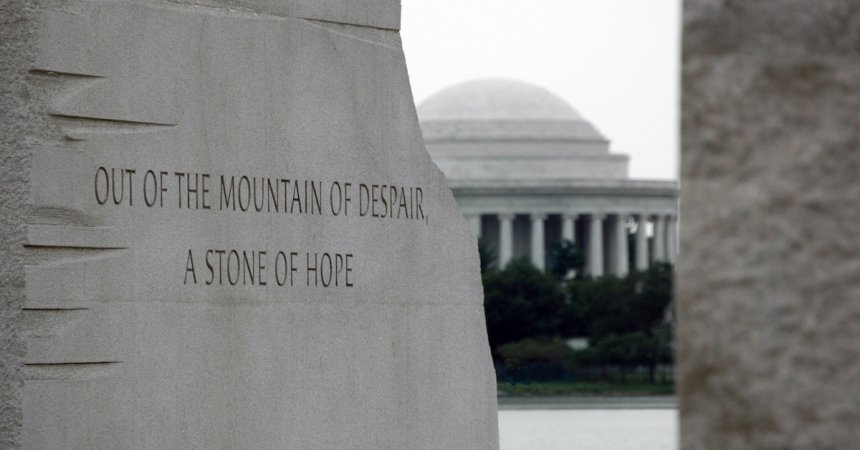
[506, 239]
[538, 241]
[671, 239]
[595, 246]
[474, 224]
[659, 238]
[641, 242]
[622, 264]
[568, 227]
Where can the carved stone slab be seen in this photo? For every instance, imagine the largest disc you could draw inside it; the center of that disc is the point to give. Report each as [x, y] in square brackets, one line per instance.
[221, 230]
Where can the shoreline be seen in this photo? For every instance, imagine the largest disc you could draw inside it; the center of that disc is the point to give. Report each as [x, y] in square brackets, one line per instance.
[515, 403]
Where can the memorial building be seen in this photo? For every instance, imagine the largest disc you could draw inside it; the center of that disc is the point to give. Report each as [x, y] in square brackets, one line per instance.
[528, 171]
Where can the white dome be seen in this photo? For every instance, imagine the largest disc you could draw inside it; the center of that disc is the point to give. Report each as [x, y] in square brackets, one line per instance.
[496, 99]
[501, 110]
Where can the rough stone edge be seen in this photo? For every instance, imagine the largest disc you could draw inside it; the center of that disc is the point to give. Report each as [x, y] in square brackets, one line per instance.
[382, 14]
[17, 49]
[451, 202]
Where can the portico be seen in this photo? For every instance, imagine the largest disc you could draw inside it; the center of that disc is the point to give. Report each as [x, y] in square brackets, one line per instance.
[528, 171]
[614, 241]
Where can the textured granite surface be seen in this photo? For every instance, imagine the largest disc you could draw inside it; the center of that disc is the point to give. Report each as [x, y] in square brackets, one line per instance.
[769, 277]
[17, 121]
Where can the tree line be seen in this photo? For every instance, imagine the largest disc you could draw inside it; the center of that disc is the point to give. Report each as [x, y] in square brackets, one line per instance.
[532, 314]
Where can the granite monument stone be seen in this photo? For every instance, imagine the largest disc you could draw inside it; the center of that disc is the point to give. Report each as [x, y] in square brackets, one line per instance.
[769, 276]
[221, 229]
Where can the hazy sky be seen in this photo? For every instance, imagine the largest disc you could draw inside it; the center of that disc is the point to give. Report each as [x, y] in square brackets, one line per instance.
[615, 61]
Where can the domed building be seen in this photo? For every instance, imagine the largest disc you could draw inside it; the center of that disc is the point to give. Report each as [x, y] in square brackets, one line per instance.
[528, 170]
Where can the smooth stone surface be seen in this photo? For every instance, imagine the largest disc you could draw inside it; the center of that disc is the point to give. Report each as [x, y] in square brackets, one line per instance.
[769, 276]
[122, 325]
[372, 13]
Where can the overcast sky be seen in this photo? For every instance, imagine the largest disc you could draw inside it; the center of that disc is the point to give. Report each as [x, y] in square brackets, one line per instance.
[615, 61]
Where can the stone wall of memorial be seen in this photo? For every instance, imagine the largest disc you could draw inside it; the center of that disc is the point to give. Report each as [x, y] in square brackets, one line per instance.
[769, 276]
[220, 229]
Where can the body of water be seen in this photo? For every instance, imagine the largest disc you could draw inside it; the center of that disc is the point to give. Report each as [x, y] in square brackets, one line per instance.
[588, 429]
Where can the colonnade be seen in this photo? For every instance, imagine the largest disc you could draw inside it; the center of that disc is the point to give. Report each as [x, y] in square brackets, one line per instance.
[603, 254]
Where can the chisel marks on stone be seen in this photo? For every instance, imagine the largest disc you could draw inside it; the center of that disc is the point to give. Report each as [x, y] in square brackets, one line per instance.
[70, 370]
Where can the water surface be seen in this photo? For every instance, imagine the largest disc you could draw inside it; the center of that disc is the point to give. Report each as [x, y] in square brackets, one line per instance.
[588, 429]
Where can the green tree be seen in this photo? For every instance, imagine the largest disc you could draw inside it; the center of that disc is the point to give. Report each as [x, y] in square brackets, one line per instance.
[521, 302]
[487, 254]
[663, 341]
[597, 307]
[624, 318]
[564, 257]
[533, 359]
[654, 293]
